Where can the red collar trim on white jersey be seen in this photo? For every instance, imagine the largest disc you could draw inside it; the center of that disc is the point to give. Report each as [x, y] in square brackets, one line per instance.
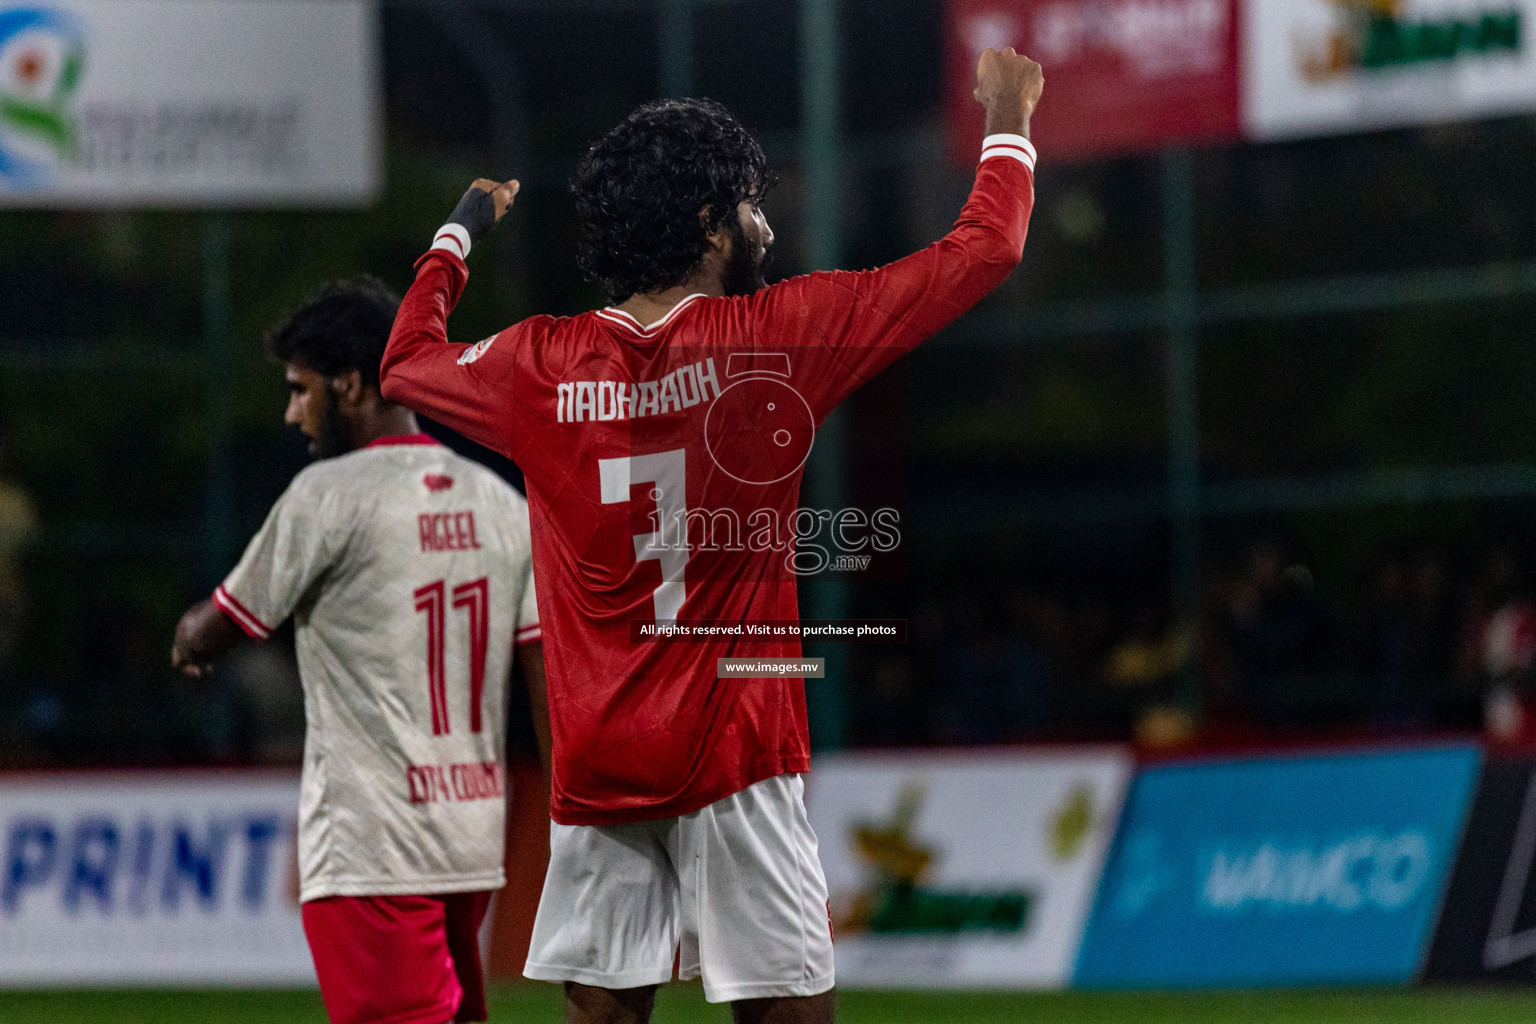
[615, 315]
[380, 442]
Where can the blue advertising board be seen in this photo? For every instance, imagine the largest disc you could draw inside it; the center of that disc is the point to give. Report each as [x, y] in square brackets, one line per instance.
[1279, 870]
[151, 878]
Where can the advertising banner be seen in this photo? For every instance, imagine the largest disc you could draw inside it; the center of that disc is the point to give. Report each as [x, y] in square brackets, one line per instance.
[1306, 870]
[967, 870]
[1120, 75]
[1487, 929]
[1320, 67]
[150, 879]
[188, 103]
[1130, 75]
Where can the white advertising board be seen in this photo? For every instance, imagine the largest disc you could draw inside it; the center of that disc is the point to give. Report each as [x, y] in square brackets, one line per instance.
[188, 103]
[176, 878]
[1322, 67]
[964, 870]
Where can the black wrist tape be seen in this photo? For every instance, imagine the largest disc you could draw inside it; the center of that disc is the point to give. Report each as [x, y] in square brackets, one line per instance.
[476, 213]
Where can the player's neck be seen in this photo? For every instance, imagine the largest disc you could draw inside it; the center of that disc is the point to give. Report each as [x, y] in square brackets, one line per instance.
[649, 307]
[391, 421]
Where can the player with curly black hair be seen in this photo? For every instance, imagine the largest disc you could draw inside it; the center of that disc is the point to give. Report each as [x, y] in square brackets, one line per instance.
[652, 190]
[679, 827]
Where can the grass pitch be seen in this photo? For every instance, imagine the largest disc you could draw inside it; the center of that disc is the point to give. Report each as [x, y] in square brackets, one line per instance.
[684, 1004]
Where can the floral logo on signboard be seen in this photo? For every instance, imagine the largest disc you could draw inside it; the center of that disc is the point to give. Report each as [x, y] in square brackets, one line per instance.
[42, 56]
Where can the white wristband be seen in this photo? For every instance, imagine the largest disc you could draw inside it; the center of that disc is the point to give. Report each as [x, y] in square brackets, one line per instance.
[1016, 147]
[452, 238]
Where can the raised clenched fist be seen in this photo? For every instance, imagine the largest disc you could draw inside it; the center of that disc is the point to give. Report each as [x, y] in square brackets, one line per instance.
[1009, 85]
[483, 205]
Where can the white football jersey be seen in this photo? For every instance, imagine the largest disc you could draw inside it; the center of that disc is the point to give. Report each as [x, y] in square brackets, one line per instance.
[407, 571]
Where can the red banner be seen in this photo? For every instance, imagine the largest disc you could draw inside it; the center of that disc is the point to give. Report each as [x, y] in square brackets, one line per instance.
[1120, 75]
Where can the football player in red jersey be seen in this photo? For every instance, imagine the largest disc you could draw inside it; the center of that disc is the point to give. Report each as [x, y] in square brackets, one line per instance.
[679, 825]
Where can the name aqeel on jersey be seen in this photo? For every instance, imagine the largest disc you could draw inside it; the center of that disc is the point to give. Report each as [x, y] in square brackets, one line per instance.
[407, 570]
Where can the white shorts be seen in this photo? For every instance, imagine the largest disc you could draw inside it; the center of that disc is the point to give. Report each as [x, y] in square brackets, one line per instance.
[734, 891]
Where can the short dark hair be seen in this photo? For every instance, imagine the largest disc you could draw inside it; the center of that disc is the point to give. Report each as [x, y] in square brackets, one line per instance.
[342, 326]
[640, 188]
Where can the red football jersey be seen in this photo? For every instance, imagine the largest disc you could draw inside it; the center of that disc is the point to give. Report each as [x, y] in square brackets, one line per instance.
[663, 467]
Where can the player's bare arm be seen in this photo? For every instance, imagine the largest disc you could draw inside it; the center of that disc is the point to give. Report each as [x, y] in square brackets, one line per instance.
[531, 657]
[203, 636]
[1009, 85]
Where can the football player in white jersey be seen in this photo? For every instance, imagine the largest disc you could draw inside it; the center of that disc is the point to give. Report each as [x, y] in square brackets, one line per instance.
[407, 571]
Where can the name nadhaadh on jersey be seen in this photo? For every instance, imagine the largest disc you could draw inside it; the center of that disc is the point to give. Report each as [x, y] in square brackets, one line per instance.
[685, 387]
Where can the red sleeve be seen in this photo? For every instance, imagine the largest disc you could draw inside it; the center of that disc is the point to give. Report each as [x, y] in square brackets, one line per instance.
[854, 324]
[464, 387]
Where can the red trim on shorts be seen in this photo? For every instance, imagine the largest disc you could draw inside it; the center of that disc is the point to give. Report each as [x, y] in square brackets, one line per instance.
[240, 614]
[529, 634]
[399, 959]
[385, 442]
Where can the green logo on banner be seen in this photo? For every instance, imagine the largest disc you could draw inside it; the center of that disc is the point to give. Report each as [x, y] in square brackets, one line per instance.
[1376, 34]
[898, 903]
[42, 57]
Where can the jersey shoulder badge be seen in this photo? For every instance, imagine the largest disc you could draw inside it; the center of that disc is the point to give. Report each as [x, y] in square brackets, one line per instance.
[476, 350]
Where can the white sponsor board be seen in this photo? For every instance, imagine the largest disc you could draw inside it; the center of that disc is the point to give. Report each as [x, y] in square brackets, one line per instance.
[964, 870]
[175, 878]
[1321, 67]
[188, 102]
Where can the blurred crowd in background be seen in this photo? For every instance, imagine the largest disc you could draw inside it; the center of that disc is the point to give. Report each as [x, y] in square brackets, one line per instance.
[1424, 644]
